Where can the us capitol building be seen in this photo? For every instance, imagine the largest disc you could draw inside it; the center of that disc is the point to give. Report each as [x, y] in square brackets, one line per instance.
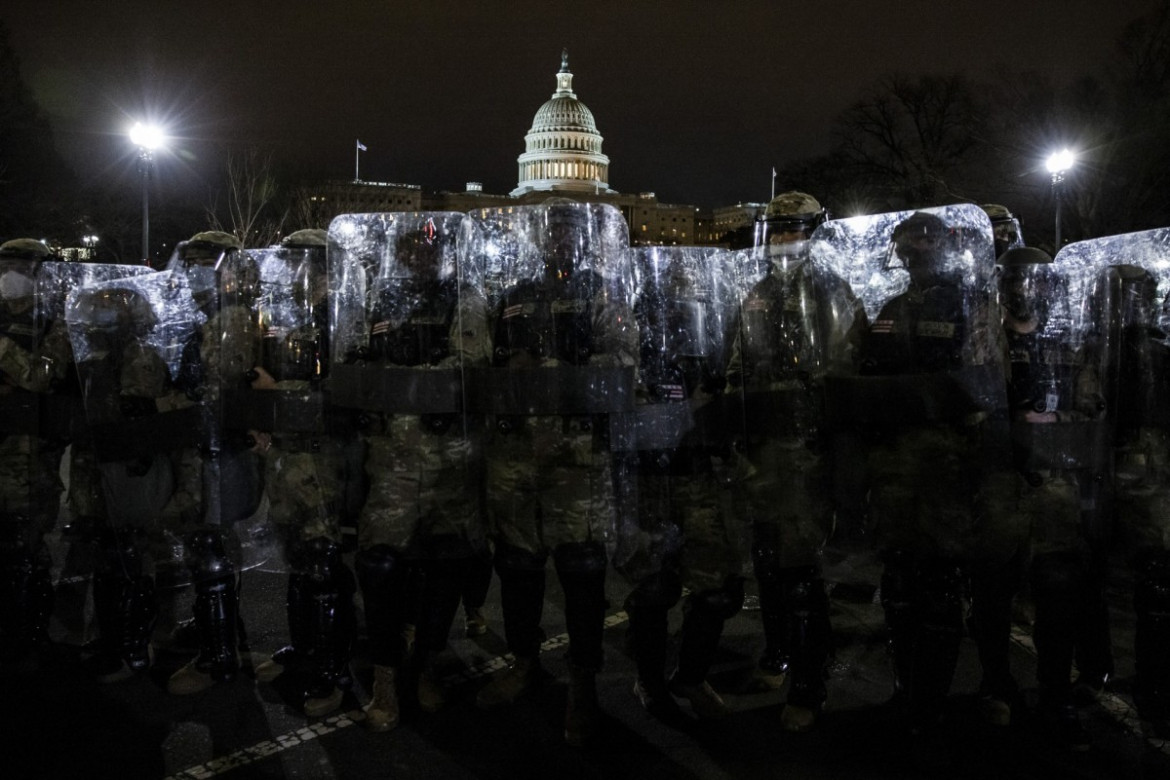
[562, 158]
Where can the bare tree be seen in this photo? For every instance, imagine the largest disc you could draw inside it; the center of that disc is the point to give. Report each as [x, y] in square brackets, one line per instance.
[252, 214]
[912, 138]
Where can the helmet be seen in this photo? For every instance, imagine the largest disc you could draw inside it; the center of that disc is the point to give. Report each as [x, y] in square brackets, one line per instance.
[789, 221]
[307, 238]
[1026, 288]
[1005, 227]
[917, 242]
[204, 248]
[25, 249]
[565, 239]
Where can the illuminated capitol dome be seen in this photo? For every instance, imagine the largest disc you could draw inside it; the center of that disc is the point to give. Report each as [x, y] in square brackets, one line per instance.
[563, 148]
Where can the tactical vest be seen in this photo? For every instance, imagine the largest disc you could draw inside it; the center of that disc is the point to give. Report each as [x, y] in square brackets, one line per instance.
[424, 336]
[541, 322]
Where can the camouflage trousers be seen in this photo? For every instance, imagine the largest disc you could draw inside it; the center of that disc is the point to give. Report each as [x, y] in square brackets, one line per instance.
[549, 482]
[424, 485]
[30, 484]
[935, 494]
[785, 490]
[303, 488]
[682, 523]
[1143, 492]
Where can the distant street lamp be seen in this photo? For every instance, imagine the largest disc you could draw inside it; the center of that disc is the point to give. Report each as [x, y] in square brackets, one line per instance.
[1057, 164]
[147, 138]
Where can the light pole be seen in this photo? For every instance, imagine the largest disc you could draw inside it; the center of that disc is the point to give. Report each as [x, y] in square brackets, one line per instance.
[147, 138]
[1057, 164]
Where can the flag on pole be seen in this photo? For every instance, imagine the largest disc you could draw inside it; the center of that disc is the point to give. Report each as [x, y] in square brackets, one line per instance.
[362, 147]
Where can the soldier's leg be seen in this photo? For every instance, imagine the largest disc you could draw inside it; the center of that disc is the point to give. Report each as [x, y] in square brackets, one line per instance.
[477, 579]
[1094, 644]
[647, 607]
[993, 587]
[329, 590]
[1152, 637]
[216, 614]
[442, 584]
[807, 611]
[581, 568]
[382, 573]
[772, 669]
[522, 583]
[924, 617]
[704, 614]
[1057, 588]
[26, 593]
[124, 607]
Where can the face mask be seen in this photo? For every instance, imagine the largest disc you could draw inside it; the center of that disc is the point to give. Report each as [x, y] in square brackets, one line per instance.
[14, 284]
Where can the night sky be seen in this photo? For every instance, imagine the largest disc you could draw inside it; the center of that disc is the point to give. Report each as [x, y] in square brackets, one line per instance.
[695, 100]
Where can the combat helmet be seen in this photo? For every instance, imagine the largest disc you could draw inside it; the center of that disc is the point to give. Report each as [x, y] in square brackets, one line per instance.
[1005, 227]
[791, 212]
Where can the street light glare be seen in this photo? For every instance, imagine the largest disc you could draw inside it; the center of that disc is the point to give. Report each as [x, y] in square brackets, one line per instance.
[1061, 161]
[147, 136]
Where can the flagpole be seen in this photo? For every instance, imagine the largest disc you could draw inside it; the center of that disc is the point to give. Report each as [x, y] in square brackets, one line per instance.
[773, 184]
[357, 151]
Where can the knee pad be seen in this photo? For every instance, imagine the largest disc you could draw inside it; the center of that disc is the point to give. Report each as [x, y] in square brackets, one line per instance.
[580, 557]
[663, 589]
[722, 603]
[1056, 575]
[509, 557]
[1152, 583]
[207, 556]
[321, 561]
[804, 590]
[118, 553]
[378, 565]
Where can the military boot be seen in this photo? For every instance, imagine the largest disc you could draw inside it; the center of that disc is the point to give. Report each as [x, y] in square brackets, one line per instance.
[582, 714]
[382, 711]
[512, 683]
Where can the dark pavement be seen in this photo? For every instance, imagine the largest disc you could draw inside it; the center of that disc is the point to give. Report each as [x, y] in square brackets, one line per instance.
[58, 723]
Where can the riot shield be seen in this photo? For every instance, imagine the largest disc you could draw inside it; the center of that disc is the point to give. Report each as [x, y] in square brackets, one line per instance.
[565, 345]
[62, 412]
[1129, 305]
[129, 336]
[32, 366]
[929, 401]
[279, 406]
[797, 327]
[407, 321]
[1058, 360]
[672, 450]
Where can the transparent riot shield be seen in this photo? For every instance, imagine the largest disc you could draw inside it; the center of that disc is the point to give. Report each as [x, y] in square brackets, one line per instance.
[1058, 358]
[565, 346]
[129, 338]
[62, 412]
[33, 365]
[1130, 309]
[407, 321]
[672, 450]
[798, 325]
[929, 402]
[279, 409]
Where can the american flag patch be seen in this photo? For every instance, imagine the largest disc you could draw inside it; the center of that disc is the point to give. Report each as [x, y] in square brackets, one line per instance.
[380, 327]
[755, 304]
[882, 326]
[514, 310]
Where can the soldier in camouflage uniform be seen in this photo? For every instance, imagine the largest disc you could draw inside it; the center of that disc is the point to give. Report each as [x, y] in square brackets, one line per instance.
[564, 349]
[930, 406]
[402, 347]
[798, 323]
[216, 485]
[1057, 416]
[126, 335]
[33, 362]
[679, 536]
[303, 467]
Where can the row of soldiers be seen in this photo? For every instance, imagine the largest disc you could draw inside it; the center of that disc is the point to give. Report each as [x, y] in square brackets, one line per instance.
[521, 383]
